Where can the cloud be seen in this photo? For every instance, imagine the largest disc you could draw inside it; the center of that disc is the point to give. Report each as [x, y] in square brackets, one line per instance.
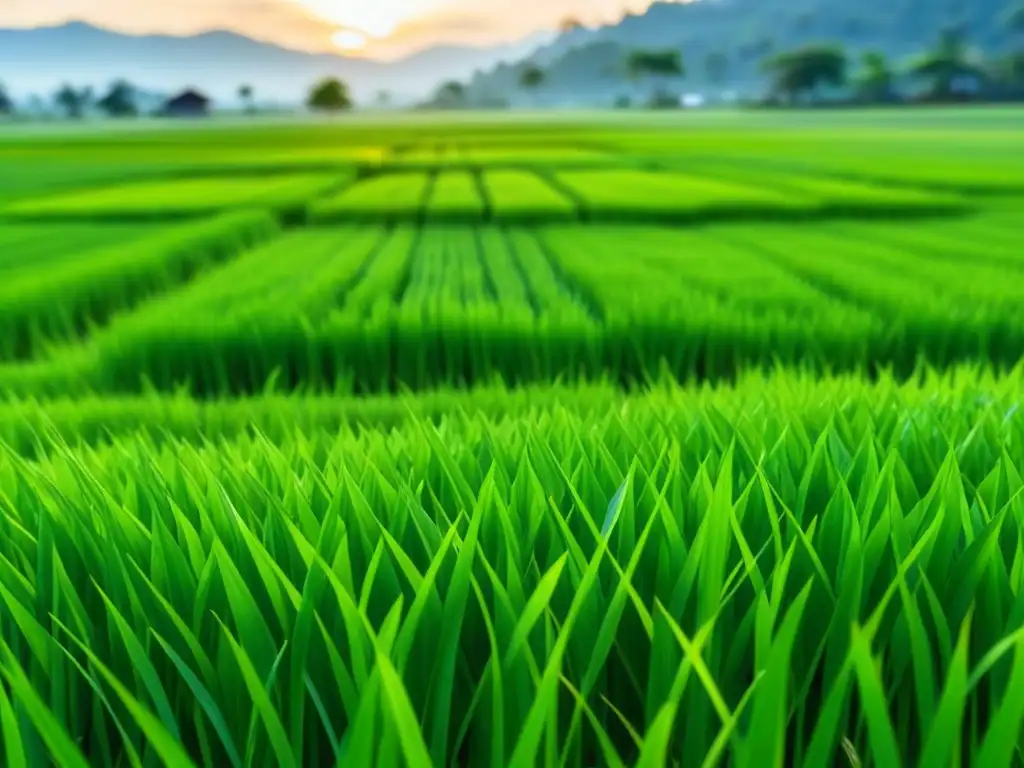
[444, 26]
[297, 24]
[278, 21]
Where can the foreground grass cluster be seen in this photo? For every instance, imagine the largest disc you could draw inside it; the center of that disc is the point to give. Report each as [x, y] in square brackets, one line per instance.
[464, 444]
[792, 572]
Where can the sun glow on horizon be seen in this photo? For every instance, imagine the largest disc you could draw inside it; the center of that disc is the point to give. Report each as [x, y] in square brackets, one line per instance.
[371, 19]
[349, 40]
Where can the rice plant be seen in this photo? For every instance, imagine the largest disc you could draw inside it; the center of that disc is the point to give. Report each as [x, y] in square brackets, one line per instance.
[178, 198]
[59, 302]
[794, 573]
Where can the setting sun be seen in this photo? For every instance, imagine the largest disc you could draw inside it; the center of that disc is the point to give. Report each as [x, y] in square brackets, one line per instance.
[374, 19]
[349, 40]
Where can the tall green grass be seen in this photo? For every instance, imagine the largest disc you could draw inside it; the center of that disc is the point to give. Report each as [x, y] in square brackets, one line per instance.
[27, 247]
[382, 307]
[789, 573]
[177, 198]
[59, 302]
[519, 196]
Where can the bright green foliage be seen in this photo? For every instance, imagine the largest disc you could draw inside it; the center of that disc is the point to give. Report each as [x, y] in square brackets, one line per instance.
[390, 196]
[373, 308]
[455, 196]
[504, 152]
[579, 563]
[388, 309]
[921, 166]
[795, 572]
[838, 196]
[61, 301]
[956, 150]
[301, 272]
[533, 154]
[25, 248]
[632, 194]
[518, 196]
[729, 193]
[175, 198]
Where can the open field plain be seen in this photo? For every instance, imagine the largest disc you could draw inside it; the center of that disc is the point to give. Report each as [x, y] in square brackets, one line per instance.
[690, 441]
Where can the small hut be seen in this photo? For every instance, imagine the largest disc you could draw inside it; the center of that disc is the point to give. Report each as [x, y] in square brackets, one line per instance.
[188, 103]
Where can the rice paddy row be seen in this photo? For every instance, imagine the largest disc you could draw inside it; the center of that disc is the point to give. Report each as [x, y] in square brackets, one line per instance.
[227, 305]
[499, 195]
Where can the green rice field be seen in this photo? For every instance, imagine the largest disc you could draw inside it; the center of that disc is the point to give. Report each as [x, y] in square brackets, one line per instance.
[595, 441]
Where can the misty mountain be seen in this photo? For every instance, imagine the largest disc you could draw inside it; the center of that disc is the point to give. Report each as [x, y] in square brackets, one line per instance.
[39, 60]
[723, 42]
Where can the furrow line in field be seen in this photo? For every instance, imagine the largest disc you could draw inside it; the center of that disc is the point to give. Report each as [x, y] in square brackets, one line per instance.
[484, 193]
[516, 259]
[407, 281]
[552, 180]
[526, 239]
[481, 255]
[945, 248]
[401, 287]
[822, 279]
[428, 193]
[359, 276]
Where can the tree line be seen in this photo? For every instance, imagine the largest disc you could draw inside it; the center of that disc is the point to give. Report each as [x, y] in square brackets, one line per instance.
[121, 99]
[949, 70]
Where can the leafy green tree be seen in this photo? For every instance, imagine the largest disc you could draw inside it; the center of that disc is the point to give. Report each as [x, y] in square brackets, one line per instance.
[330, 95]
[246, 94]
[451, 95]
[943, 67]
[119, 101]
[1008, 72]
[6, 103]
[801, 73]
[531, 78]
[657, 66]
[874, 80]
[1012, 67]
[1013, 20]
[73, 101]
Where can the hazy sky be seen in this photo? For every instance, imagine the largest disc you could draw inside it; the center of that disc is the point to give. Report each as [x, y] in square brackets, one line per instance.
[379, 27]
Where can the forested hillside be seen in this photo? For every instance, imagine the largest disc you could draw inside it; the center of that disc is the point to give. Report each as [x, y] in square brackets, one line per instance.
[724, 42]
